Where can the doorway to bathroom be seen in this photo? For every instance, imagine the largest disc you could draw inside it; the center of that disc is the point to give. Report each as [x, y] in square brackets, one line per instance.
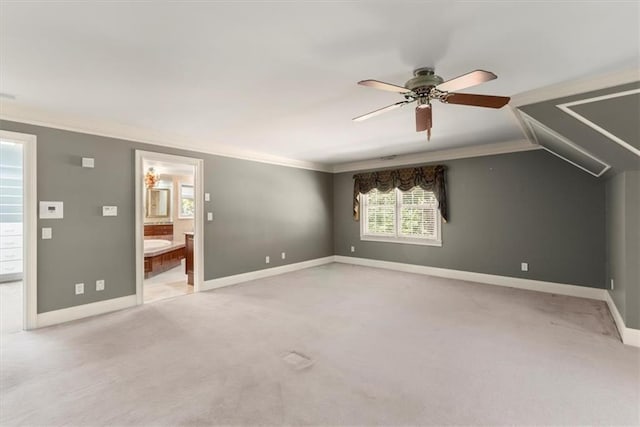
[17, 232]
[168, 226]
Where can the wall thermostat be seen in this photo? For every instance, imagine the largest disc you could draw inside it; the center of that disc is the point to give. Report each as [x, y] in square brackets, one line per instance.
[51, 210]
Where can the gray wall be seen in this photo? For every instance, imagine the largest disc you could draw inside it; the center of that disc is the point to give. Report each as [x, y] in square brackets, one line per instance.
[505, 209]
[615, 232]
[623, 244]
[259, 209]
[632, 206]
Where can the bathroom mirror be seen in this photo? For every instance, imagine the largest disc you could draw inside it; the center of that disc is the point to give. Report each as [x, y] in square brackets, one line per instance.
[158, 203]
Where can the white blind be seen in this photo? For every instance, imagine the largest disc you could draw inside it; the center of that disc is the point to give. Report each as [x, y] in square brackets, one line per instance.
[402, 216]
[186, 201]
[418, 214]
[381, 213]
[186, 191]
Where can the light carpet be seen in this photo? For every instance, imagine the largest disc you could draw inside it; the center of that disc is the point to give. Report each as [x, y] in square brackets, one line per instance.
[330, 345]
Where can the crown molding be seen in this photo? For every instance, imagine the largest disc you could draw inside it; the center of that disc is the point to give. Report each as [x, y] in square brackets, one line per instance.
[12, 111]
[440, 155]
[534, 124]
[517, 118]
[576, 87]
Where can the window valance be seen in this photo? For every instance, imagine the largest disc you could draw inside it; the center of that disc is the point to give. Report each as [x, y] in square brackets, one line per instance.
[429, 178]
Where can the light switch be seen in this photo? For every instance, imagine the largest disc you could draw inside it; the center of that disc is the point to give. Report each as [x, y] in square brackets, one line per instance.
[207, 197]
[46, 233]
[209, 216]
[87, 162]
[109, 211]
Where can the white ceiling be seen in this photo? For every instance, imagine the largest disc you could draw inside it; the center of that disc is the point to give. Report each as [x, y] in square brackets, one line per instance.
[280, 77]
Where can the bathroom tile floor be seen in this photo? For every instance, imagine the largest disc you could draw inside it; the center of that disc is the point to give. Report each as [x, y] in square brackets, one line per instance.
[171, 283]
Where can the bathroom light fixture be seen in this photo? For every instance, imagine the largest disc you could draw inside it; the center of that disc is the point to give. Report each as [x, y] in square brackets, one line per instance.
[151, 178]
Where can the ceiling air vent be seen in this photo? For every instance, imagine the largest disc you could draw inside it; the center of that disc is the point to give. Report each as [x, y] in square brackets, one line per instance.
[560, 146]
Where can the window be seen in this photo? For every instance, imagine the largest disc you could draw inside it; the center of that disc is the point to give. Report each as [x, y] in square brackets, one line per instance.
[186, 201]
[401, 216]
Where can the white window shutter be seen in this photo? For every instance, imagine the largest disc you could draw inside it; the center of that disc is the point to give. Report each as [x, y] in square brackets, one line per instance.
[381, 213]
[401, 216]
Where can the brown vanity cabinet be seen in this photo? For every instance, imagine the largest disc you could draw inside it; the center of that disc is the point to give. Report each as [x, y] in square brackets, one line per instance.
[188, 242]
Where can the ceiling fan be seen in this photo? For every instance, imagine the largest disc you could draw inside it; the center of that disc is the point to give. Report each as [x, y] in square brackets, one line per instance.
[426, 86]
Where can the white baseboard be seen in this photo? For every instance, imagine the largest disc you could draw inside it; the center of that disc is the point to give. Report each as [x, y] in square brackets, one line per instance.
[490, 279]
[629, 336]
[55, 317]
[267, 272]
[617, 317]
[86, 310]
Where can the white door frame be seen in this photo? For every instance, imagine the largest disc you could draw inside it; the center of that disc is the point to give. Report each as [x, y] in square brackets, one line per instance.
[29, 226]
[198, 235]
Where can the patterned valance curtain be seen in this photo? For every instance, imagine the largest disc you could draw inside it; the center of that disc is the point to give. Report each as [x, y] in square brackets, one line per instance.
[429, 178]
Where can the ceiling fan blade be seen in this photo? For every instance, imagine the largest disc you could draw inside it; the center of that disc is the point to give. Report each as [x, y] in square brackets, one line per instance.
[466, 80]
[423, 118]
[380, 111]
[376, 84]
[477, 100]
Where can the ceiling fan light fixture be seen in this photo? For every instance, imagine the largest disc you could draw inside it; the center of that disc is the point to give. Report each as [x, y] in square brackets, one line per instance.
[426, 86]
[423, 102]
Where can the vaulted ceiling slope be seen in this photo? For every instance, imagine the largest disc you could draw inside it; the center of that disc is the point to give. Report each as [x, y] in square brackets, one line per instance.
[278, 79]
[598, 130]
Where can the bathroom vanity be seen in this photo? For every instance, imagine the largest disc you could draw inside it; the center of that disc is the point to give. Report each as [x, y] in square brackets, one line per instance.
[188, 244]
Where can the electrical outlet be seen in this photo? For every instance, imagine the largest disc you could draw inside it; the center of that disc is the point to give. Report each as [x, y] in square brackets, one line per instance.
[207, 197]
[79, 288]
[99, 285]
[266, 259]
[524, 266]
[353, 248]
[284, 255]
[612, 285]
[209, 216]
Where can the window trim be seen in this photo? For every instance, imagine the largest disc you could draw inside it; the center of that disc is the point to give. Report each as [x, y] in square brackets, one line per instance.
[180, 198]
[397, 237]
